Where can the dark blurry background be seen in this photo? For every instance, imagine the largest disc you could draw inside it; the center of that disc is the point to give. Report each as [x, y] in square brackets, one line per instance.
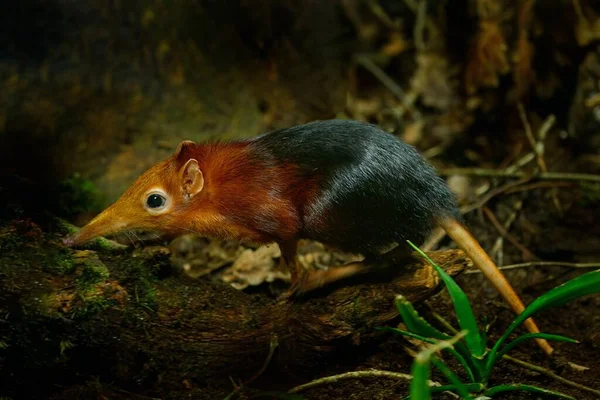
[100, 90]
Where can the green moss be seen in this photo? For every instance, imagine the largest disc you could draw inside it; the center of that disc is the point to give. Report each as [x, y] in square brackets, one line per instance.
[91, 303]
[91, 286]
[40, 304]
[77, 195]
[92, 271]
[59, 264]
[103, 244]
[144, 277]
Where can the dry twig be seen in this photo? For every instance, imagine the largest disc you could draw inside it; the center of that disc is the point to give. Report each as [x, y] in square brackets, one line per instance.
[499, 245]
[542, 264]
[507, 235]
[354, 375]
[388, 82]
[529, 133]
[502, 189]
[553, 176]
[538, 147]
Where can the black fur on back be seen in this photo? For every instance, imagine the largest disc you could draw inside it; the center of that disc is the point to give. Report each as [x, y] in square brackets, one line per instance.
[375, 189]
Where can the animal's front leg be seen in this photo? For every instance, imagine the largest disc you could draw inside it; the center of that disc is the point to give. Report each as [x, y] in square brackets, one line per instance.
[289, 258]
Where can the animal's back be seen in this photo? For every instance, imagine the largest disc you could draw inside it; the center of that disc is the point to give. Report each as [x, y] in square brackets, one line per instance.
[373, 188]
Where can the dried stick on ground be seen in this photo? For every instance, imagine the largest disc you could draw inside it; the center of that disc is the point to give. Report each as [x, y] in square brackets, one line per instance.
[526, 252]
[556, 176]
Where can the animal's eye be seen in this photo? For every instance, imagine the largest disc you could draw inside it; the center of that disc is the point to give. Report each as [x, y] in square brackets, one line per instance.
[156, 201]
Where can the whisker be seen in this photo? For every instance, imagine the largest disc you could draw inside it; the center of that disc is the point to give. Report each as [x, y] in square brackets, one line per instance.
[156, 236]
[138, 238]
[127, 233]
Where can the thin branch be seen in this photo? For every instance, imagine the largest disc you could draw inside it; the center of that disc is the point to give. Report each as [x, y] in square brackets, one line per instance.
[443, 321]
[420, 26]
[507, 235]
[354, 375]
[238, 388]
[538, 147]
[555, 176]
[412, 4]
[134, 395]
[542, 264]
[551, 374]
[579, 10]
[272, 347]
[539, 185]
[545, 128]
[388, 82]
[521, 162]
[380, 13]
[484, 200]
[529, 133]
[499, 245]
[418, 8]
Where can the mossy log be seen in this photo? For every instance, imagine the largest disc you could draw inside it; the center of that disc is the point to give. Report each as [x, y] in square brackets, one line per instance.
[125, 316]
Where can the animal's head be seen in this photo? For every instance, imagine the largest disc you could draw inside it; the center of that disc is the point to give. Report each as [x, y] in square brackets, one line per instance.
[156, 201]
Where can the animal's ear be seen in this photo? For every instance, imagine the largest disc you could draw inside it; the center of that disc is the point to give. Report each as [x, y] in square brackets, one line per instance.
[192, 180]
[182, 146]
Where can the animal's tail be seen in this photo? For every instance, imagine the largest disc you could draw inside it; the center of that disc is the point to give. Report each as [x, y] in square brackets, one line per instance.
[465, 240]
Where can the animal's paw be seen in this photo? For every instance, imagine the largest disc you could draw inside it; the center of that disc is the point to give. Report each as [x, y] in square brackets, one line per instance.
[304, 283]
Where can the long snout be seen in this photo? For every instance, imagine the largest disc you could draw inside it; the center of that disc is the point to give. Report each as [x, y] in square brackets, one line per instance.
[103, 224]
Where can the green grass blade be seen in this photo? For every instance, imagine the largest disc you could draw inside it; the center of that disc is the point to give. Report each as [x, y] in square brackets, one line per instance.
[474, 367]
[444, 369]
[491, 392]
[528, 336]
[583, 285]
[419, 386]
[468, 368]
[414, 322]
[464, 312]
[417, 324]
[421, 369]
[406, 333]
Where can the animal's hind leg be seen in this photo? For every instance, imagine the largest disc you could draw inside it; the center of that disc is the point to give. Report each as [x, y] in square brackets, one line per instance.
[317, 278]
[372, 262]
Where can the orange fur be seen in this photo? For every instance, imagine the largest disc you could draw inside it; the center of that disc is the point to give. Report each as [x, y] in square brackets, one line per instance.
[241, 199]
